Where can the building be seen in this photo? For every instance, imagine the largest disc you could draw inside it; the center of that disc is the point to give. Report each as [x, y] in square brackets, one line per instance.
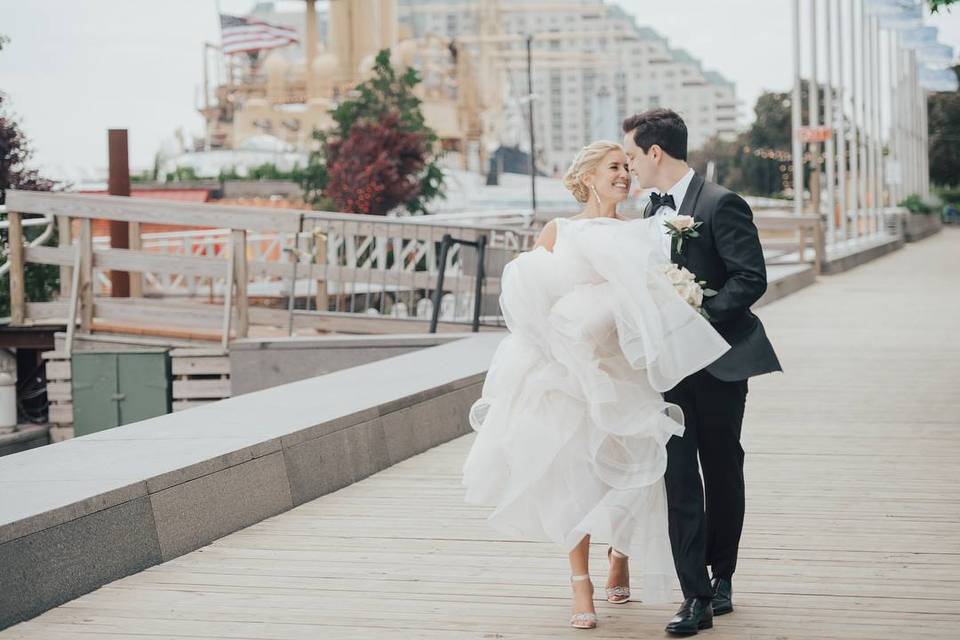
[592, 66]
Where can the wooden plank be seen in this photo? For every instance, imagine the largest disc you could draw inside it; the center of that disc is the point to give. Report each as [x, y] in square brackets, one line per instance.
[58, 370]
[86, 274]
[198, 352]
[135, 243]
[155, 211]
[65, 240]
[239, 239]
[62, 256]
[190, 389]
[59, 391]
[200, 365]
[18, 308]
[183, 405]
[144, 261]
[176, 333]
[61, 413]
[55, 310]
[355, 323]
[156, 313]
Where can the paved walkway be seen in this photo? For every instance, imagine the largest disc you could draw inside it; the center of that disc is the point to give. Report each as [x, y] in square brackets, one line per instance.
[853, 523]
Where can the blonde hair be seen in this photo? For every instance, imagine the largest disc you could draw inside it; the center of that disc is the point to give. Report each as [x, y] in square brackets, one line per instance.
[585, 163]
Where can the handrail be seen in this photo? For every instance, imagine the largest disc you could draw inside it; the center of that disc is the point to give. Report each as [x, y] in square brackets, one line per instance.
[47, 220]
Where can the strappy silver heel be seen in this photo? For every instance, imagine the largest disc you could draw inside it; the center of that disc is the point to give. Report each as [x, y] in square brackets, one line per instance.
[619, 594]
[583, 620]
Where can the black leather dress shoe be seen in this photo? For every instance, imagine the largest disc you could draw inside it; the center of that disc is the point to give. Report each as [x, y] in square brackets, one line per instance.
[695, 615]
[722, 596]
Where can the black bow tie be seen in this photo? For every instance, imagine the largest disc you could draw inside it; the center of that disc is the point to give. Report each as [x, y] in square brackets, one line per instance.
[658, 200]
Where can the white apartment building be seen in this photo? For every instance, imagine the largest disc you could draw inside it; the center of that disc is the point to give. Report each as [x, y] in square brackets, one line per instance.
[593, 65]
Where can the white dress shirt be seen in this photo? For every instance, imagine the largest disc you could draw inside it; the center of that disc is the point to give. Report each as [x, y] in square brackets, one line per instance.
[679, 192]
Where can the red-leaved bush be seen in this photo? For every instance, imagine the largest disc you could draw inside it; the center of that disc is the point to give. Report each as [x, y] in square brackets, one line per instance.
[376, 167]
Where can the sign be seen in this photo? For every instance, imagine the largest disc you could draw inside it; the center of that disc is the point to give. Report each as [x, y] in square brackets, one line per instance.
[815, 134]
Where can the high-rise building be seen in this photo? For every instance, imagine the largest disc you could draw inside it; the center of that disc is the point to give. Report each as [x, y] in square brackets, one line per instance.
[592, 66]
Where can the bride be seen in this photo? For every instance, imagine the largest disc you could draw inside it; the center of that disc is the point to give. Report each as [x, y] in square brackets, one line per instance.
[571, 426]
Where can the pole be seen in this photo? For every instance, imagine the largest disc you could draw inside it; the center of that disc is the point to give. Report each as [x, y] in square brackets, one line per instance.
[878, 177]
[854, 224]
[841, 128]
[796, 107]
[813, 111]
[894, 81]
[829, 122]
[864, 141]
[925, 146]
[310, 47]
[533, 147]
[119, 185]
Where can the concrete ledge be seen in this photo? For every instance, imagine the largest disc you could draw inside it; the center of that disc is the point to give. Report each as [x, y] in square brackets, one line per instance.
[83, 512]
[917, 227]
[851, 254]
[782, 280]
[257, 364]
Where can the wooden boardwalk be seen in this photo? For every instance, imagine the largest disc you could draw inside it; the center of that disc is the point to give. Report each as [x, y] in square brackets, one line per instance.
[852, 531]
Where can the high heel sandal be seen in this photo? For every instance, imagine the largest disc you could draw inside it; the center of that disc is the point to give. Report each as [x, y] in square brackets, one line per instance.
[583, 620]
[618, 594]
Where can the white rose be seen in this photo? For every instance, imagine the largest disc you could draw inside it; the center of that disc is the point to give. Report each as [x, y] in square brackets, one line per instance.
[675, 276]
[697, 295]
[681, 222]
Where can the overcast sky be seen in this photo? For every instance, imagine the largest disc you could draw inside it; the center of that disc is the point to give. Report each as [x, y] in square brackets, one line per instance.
[75, 68]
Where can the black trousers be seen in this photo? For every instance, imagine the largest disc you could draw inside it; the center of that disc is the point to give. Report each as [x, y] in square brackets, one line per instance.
[706, 531]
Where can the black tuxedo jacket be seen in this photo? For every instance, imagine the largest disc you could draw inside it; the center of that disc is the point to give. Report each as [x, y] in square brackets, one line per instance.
[729, 257]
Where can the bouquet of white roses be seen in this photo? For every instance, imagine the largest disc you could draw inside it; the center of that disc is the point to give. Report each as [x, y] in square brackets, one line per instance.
[692, 291]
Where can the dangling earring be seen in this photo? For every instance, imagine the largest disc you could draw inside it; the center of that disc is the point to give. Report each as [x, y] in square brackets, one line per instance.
[596, 195]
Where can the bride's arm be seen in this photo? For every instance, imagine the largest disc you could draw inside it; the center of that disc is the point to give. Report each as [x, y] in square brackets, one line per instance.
[547, 237]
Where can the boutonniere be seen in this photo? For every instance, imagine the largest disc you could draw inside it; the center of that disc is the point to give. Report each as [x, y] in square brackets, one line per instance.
[680, 227]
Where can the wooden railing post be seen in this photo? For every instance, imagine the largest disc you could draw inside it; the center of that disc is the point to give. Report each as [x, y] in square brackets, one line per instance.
[18, 306]
[240, 277]
[136, 244]
[86, 275]
[65, 239]
[819, 246]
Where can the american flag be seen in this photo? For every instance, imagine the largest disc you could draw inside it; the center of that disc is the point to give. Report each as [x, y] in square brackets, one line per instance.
[249, 34]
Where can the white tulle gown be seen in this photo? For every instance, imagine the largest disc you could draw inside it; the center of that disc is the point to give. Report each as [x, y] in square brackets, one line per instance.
[571, 426]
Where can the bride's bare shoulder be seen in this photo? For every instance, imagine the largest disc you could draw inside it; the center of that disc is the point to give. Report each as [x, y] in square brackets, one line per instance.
[548, 236]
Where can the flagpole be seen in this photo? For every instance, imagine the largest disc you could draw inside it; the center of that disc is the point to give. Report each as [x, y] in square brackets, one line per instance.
[841, 128]
[854, 222]
[829, 123]
[795, 114]
[813, 113]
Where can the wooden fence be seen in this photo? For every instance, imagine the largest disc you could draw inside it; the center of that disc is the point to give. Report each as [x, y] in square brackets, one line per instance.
[344, 256]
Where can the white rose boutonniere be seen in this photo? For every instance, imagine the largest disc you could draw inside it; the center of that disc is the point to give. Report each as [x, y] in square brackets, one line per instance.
[680, 227]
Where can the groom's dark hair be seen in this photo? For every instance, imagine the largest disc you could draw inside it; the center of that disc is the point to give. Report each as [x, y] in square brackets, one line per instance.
[662, 127]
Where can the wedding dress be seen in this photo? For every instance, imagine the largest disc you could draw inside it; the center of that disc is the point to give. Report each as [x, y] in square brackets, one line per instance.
[571, 426]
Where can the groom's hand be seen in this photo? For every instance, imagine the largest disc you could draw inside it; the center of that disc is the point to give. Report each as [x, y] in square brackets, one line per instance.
[738, 245]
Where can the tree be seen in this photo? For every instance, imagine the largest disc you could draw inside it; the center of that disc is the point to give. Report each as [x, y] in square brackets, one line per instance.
[341, 174]
[935, 5]
[943, 126]
[41, 281]
[376, 166]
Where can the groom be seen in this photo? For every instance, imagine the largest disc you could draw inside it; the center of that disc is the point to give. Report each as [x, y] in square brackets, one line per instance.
[728, 256]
